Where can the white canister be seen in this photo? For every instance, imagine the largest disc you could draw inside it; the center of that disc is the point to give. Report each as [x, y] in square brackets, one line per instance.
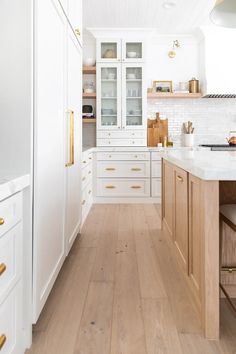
[188, 140]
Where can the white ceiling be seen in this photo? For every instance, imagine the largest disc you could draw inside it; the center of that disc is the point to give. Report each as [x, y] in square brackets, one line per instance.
[184, 17]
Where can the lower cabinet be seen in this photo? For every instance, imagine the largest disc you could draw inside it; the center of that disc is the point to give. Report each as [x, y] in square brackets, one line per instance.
[181, 213]
[87, 183]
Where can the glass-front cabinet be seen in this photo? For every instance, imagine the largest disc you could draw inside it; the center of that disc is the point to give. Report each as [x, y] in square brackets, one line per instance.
[108, 96]
[133, 94]
[110, 50]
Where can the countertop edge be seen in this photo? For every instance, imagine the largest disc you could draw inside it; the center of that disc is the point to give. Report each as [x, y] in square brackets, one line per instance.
[10, 186]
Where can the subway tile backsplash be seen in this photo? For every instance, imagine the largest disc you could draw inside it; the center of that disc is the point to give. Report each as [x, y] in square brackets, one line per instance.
[212, 118]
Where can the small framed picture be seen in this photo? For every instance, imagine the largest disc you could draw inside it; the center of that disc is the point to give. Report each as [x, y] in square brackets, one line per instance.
[162, 86]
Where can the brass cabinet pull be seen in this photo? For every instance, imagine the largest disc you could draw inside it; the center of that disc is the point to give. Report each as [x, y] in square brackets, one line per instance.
[84, 161]
[135, 187]
[110, 156]
[2, 221]
[77, 31]
[110, 187]
[84, 178]
[90, 192]
[110, 169]
[89, 172]
[179, 178]
[72, 141]
[90, 158]
[3, 339]
[136, 156]
[136, 169]
[83, 202]
[3, 267]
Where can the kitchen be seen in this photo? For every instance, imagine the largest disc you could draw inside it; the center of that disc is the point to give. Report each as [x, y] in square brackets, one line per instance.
[109, 220]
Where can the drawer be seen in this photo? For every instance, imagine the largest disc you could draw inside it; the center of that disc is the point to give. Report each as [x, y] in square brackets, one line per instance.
[107, 187]
[10, 322]
[10, 212]
[156, 187]
[109, 156]
[124, 169]
[156, 156]
[121, 134]
[10, 257]
[86, 196]
[156, 168]
[86, 175]
[121, 142]
[86, 158]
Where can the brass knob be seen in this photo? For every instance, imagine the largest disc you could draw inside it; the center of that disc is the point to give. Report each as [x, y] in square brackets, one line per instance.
[3, 267]
[2, 221]
[83, 202]
[3, 339]
[77, 31]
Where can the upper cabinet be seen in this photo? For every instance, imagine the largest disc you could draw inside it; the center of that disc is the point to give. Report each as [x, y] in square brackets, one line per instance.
[73, 11]
[110, 50]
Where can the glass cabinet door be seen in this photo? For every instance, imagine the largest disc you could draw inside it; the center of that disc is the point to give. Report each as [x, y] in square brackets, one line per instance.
[133, 98]
[108, 50]
[133, 51]
[108, 100]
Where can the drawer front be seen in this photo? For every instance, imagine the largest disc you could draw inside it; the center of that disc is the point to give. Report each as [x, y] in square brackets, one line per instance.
[87, 175]
[156, 156]
[127, 169]
[10, 257]
[86, 159]
[156, 187]
[156, 169]
[10, 212]
[121, 142]
[121, 134]
[87, 196]
[10, 322]
[132, 156]
[123, 188]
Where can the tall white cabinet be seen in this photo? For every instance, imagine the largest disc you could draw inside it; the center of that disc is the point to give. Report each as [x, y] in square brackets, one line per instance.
[121, 93]
[57, 145]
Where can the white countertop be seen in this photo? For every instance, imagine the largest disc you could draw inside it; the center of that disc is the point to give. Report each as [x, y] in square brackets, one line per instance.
[12, 184]
[207, 165]
[135, 149]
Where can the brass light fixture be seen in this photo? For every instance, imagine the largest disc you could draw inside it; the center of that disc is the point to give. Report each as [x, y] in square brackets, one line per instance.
[224, 13]
[172, 52]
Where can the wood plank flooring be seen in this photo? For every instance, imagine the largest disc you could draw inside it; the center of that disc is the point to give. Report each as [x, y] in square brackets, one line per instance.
[120, 292]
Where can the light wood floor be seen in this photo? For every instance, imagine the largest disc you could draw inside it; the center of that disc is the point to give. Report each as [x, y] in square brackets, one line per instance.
[120, 292]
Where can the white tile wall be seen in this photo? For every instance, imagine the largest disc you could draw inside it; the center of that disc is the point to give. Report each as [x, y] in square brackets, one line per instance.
[212, 118]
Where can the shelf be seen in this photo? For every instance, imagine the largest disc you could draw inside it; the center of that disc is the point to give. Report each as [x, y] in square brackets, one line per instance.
[134, 98]
[173, 95]
[89, 95]
[89, 120]
[109, 98]
[109, 115]
[107, 80]
[89, 70]
[133, 80]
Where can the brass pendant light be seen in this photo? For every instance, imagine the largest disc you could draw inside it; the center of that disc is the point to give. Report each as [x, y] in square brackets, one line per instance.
[224, 13]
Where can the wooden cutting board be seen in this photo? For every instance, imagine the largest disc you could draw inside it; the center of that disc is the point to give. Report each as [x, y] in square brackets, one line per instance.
[157, 130]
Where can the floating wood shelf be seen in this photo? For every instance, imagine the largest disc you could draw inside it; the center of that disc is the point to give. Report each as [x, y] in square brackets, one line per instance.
[89, 95]
[173, 95]
[89, 120]
[89, 69]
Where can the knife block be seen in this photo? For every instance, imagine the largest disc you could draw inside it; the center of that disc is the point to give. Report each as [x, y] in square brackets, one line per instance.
[157, 130]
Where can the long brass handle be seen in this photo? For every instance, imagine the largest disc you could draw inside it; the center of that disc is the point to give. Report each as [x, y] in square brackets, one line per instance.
[136, 169]
[2, 221]
[72, 141]
[135, 187]
[3, 267]
[77, 31]
[3, 339]
[110, 169]
[179, 178]
[110, 187]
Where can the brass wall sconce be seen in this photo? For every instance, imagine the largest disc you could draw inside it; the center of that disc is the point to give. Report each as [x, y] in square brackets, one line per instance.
[172, 52]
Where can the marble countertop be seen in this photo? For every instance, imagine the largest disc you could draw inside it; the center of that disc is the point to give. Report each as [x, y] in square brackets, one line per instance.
[141, 148]
[207, 165]
[10, 185]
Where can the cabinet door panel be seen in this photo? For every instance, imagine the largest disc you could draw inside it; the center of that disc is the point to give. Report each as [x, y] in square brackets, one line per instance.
[181, 215]
[195, 237]
[108, 50]
[73, 172]
[167, 195]
[49, 160]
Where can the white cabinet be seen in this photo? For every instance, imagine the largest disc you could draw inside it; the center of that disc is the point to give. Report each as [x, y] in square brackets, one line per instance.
[87, 183]
[117, 49]
[73, 11]
[57, 144]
